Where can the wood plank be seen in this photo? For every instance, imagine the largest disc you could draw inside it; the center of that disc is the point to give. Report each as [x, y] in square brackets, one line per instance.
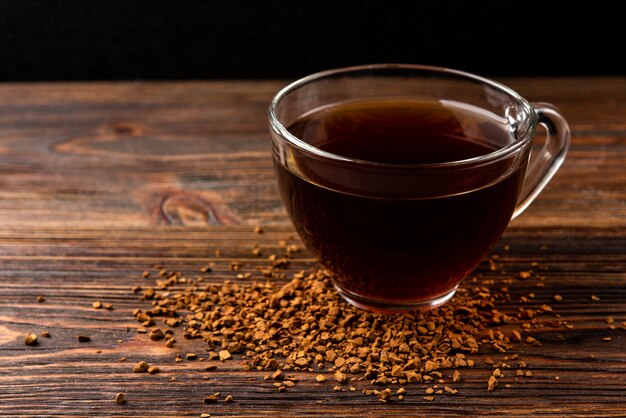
[73, 267]
[198, 153]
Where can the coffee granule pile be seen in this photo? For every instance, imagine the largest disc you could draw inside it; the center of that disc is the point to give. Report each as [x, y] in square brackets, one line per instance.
[305, 326]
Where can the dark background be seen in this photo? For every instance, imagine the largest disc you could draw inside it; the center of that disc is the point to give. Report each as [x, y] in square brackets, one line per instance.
[208, 39]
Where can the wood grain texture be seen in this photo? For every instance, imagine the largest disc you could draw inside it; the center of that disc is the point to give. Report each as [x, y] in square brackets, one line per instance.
[101, 181]
[138, 154]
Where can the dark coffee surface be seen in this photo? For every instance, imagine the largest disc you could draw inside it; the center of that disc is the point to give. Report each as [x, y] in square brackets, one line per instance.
[402, 131]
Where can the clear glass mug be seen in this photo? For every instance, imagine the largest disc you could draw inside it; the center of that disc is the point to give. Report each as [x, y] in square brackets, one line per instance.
[401, 237]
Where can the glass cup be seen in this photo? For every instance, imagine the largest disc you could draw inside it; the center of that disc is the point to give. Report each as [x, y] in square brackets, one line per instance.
[402, 236]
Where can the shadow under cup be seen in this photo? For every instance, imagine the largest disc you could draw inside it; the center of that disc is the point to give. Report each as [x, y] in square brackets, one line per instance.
[402, 236]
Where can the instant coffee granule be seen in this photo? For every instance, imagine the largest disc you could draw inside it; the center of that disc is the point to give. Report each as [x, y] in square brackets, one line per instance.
[119, 399]
[305, 326]
[30, 339]
[141, 367]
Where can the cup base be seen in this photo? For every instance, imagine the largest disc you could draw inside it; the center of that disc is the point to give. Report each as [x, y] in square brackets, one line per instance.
[390, 307]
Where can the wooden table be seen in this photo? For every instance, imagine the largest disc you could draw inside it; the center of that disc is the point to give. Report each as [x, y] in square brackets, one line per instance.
[101, 181]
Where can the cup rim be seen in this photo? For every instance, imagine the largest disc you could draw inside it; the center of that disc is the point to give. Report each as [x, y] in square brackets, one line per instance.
[495, 155]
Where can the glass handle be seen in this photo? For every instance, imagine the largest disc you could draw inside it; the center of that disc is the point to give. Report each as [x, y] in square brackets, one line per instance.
[544, 165]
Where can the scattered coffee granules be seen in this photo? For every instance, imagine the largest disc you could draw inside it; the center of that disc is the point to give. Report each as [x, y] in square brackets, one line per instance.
[83, 338]
[304, 325]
